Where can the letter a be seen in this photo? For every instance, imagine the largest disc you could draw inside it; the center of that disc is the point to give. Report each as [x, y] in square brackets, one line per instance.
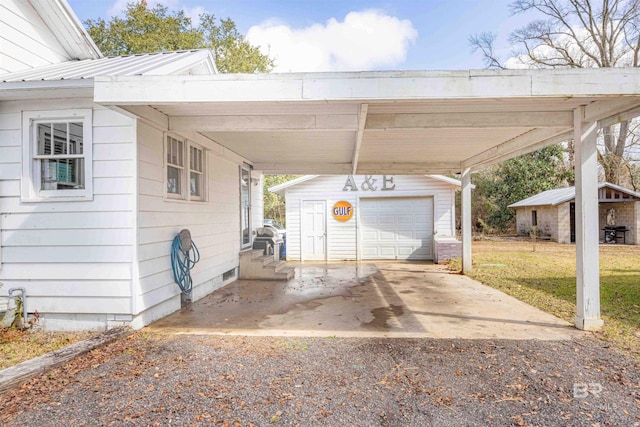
[351, 183]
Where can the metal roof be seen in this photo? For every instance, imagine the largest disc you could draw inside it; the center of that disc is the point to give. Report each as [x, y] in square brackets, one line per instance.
[279, 189]
[561, 195]
[161, 63]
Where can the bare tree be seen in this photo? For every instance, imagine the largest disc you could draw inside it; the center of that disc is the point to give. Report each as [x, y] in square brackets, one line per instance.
[577, 34]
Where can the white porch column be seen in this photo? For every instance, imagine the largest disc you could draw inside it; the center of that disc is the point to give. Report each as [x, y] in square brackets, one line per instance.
[587, 233]
[466, 221]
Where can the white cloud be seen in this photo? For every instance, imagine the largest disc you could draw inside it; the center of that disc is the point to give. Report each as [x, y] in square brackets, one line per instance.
[119, 6]
[364, 40]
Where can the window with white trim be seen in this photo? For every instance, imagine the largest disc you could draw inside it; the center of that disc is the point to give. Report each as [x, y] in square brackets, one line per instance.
[186, 169]
[57, 155]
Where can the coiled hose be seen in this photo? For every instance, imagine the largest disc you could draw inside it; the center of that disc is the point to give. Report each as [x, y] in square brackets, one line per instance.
[182, 262]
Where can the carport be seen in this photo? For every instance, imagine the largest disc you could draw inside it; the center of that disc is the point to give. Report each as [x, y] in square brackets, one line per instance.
[401, 123]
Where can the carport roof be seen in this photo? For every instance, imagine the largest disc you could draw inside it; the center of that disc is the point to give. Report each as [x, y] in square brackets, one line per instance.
[404, 122]
[387, 122]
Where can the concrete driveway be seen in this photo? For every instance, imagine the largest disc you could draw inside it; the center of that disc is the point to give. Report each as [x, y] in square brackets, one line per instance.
[377, 299]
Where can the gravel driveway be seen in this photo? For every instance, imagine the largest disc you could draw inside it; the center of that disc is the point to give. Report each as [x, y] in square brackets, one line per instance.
[150, 378]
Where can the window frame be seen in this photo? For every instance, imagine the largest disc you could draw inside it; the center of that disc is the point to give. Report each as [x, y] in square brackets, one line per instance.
[31, 190]
[185, 170]
[534, 218]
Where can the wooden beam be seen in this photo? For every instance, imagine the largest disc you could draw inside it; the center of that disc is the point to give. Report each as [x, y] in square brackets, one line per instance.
[620, 117]
[516, 119]
[530, 149]
[517, 146]
[150, 115]
[603, 108]
[245, 123]
[408, 168]
[302, 168]
[362, 119]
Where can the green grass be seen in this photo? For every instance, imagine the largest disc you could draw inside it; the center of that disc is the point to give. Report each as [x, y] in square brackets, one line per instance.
[545, 278]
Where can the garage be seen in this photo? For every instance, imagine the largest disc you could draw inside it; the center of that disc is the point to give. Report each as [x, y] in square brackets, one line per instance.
[397, 228]
[370, 217]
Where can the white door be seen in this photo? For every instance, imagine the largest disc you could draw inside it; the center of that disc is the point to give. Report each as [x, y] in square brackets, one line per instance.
[397, 228]
[314, 233]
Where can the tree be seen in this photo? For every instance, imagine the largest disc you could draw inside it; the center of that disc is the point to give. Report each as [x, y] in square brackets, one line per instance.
[514, 180]
[274, 204]
[577, 34]
[144, 30]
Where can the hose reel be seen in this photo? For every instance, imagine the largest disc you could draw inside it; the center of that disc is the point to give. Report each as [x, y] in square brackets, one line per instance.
[184, 256]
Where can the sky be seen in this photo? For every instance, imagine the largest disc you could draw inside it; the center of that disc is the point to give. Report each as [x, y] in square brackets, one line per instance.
[351, 35]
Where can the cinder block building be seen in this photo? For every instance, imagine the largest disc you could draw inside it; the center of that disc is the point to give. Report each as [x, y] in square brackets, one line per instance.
[552, 212]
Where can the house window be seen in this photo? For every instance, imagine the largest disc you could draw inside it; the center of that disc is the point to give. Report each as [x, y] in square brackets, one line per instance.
[185, 169]
[196, 172]
[534, 218]
[175, 166]
[57, 158]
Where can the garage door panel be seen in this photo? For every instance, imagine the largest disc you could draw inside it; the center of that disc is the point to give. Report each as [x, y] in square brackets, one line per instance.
[397, 228]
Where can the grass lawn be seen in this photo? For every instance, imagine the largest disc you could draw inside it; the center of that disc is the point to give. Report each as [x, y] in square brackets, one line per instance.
[543, 275]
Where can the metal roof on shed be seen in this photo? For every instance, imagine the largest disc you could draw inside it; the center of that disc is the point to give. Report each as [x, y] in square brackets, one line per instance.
[161, 63]
[561, 195]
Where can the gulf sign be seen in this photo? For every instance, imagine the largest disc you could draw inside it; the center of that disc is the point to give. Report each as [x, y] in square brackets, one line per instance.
[342, 211]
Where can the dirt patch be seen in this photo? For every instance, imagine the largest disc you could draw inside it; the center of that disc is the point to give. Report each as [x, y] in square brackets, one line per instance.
[153, 379]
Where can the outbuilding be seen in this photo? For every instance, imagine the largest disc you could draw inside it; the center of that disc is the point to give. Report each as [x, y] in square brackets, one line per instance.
[553, 214]
[370, 217]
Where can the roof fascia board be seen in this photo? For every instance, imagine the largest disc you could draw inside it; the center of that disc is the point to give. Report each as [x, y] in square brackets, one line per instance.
[424, 85]
[281, 187]
[46, 89]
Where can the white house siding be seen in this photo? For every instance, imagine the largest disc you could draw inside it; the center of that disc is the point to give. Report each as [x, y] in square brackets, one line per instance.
[26, 41]
[342, 237]
[75, 257]
[214, 226]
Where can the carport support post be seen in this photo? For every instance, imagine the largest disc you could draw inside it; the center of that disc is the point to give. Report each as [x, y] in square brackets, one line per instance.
[587, 234]
[466, 220]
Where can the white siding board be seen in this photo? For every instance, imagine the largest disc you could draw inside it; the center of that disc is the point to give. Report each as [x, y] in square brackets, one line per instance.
[78, 237]
[112, 186]
[102, 203]
[61, 254]
[10, 170]
[113, 134]
[81, 305]
[66, 271]
[10, 188]
[10, 138]
[121, 151]
[11, 154]
[67, 220]
[11, 121]
[80, 288]
[113, 168]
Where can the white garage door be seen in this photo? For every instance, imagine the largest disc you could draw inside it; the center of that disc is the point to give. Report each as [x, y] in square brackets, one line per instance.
[397, 228]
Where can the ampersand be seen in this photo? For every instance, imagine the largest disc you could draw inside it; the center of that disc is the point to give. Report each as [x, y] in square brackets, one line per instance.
[368, 183]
